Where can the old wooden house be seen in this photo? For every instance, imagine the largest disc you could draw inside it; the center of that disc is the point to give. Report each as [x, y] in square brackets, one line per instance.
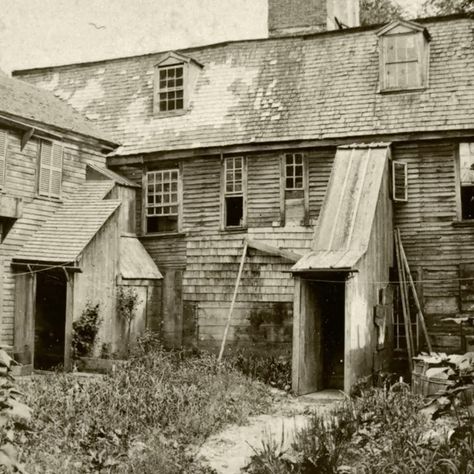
[67, 236]
[310, 147]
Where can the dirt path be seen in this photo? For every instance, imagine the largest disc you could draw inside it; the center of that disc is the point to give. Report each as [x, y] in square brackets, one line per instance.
[230, 450]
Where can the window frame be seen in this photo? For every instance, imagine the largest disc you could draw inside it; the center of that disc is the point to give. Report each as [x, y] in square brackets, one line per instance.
[3, 157]
[458, 184]
[169, 63]
[42, 167]
[304, 189]
[224, 193]
[404, 165]
[179, 213]
[422, 46]
[168, 89]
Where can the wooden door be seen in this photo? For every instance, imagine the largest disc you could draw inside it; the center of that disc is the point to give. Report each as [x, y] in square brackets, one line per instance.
[25, 296]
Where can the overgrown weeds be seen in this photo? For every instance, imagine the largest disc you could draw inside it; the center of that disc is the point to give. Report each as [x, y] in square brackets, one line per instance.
[140, 418]
[380, 431]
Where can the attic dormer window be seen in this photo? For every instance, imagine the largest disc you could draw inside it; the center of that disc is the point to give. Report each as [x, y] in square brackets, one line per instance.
[171, 88]
[403, 56]
[175, 77]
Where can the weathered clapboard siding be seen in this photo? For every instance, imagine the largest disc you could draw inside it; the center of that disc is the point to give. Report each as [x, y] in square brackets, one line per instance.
[20, 182]
[263, 190]
[435, 246]
[201, 194]
[169, 252]
[319, 169]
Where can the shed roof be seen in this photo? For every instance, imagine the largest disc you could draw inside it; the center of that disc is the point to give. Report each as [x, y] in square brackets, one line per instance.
[318, 86]
[345, 223]
[135, 261]
[65, 235]
[21, 100]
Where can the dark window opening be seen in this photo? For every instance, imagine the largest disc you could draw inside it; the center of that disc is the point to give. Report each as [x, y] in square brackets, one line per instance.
[467, 202]
[162, 224]
[234, 211]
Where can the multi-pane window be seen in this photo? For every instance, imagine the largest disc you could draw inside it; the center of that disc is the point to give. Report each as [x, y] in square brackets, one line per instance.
[162, 200]
[466, 179]
[50, 169]
[234, 191]
[3, 156]
[171, 88]
[294, 172]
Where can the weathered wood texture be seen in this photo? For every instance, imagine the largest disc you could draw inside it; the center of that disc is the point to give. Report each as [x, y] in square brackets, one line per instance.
[20, 182]
[432, 240]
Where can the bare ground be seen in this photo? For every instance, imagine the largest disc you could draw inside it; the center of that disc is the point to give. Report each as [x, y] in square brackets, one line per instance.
[229, 451]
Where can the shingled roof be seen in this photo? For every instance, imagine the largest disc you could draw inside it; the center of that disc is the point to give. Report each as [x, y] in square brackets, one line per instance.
[317, 86]
[65, 235]
[21, 100]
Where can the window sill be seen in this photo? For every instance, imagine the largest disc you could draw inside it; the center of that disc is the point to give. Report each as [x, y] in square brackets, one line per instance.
[464, 223]
[162, 234]
[170, 113]
[401, 91]
[233, 230]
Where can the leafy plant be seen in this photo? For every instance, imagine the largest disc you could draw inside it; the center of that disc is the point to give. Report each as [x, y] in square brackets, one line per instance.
[14, 416]
[127, 303]
[84, 331]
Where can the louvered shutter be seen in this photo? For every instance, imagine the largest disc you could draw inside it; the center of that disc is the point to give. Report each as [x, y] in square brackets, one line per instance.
[3, 156]
[56, 170]
[400, 181]
[50, 173]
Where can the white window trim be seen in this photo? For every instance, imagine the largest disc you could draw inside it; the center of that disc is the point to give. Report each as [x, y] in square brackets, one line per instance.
[225, 193]
[395, 194]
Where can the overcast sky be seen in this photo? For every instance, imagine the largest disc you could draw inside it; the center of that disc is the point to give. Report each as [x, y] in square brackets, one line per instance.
[37, 33]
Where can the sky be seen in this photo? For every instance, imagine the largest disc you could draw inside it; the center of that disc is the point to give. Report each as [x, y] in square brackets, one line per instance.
[36, 33]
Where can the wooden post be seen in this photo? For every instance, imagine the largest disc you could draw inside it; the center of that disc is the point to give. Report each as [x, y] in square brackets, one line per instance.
[406, 315]
[415, 297]
[234, 297]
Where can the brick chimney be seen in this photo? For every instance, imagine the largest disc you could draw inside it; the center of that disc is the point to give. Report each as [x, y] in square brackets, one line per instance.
[290, 17]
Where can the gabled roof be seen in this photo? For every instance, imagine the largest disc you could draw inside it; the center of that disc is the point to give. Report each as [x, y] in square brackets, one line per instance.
[319, 86]
[345, 223]
[24, 101]
[403, 25]
[173, 57]
[65, 235]
[93, 170]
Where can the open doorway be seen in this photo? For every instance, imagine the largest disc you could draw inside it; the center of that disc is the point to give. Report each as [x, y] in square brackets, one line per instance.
[50, 319]
[319, 341]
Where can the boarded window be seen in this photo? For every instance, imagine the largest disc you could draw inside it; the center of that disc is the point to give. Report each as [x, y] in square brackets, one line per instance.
[3, 156]
[234, 191]
[466, 180]
[403, 61]
[400, 181]
[162, 201]
[50, 169]
[295, 194]
[171, 88]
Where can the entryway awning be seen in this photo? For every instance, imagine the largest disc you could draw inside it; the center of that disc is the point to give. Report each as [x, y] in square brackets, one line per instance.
[347, 215]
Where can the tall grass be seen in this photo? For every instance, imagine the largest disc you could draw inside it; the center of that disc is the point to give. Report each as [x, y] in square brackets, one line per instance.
[143, 418]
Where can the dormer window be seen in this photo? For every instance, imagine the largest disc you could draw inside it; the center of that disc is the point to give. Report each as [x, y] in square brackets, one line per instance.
[403, 56]
[175, 76]
[171, 88]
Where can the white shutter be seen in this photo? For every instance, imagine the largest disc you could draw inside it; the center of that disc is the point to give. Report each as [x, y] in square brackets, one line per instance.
[400, 181]
[3, 156]
[50, 170]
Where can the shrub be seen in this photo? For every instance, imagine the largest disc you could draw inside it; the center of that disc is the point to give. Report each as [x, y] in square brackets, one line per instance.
[84, 331]
[274, 371]
[127, 302]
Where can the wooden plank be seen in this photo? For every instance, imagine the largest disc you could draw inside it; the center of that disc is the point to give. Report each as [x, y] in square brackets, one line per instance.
[229, 316]
[263, 247]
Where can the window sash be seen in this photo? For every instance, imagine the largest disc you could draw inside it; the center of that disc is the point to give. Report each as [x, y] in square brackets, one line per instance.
[162, 197]
[171, 88]
[233, 175]
[50, 169]
[3, 156]
[294, 172]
